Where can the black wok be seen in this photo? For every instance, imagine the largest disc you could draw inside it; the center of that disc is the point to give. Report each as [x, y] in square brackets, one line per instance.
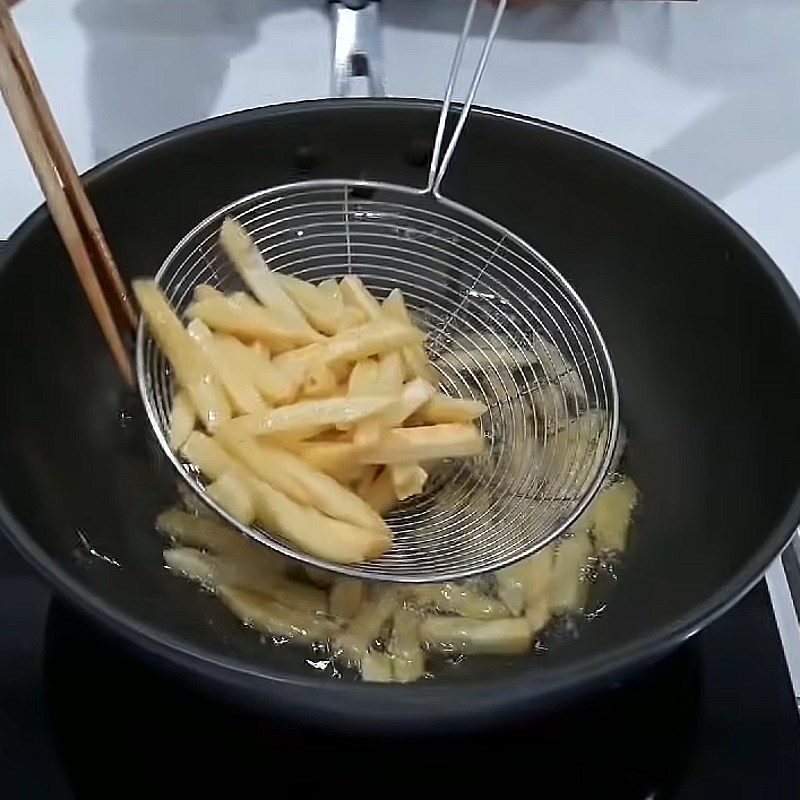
[703, 329]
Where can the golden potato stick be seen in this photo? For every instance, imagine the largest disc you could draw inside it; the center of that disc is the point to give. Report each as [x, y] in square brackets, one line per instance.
[245, 320]
[310, 530]
[354, 344]
[568, 585]
[304, 414]
[408, 662]
[452, 598]
[182, 419]
[323, 311]
[415, 359]
[215, 536]
[192, 369]
[234, 495]
[441, 408]
[357, 295]
[345, 597]
[522, 584]
[352, 645]
[273, 384]
[407, 479]
[257, 276]
[318, 381]
[429, 443]
[236, 382]
[379, 494]
[290, 474]
[472, 636]
[376, 667]
[259, 611]
[611, 515]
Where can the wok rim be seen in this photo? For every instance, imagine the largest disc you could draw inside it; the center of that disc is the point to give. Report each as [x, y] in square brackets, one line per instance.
[432, 702]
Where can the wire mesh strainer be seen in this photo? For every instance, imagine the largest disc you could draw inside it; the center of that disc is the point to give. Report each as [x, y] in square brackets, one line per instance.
[503, 327]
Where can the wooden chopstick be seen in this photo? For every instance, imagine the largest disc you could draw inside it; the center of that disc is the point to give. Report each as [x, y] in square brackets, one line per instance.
[69, 206]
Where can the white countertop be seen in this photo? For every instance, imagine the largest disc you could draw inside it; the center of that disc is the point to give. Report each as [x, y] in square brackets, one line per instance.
[709, 90]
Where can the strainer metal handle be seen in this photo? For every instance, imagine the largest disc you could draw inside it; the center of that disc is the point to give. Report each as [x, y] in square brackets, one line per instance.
[357, 47]
[439, 161]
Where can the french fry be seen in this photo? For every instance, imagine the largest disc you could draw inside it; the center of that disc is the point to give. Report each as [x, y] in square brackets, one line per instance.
[357, 295]
[273, 384]
[192, 368]
[323, 311]
[414, 356]
[345, 597]
[471, 636]
[305, 414]
[257, 276]
[379, 494]
[440, 409]
[235, 380]
[353, 643]
[182, 419]
[521, 585]
[611, 515]
[376, 667]
[370, 339]
[311, 531]
[407, 479]
[414, 395]
[569, 588]
[210, 457]
[408, 660]
[259, 611]
[233, 494]
[329, 457]
[452, 598]
[242, 317]
[318, 381]
[428, 443]
[288, 473]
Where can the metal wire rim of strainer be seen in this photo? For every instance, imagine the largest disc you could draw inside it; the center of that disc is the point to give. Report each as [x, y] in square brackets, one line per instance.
[503, 327]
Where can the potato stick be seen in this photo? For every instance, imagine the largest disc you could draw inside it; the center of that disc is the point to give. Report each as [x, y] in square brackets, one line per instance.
[471, 636]
[345, 597]
[352, 644]
[407, 479]
[290, 474]
[380, 495]
[210, 457]
[414, 357]
[236, 382]
[611, 515]
[193, 504]
[233, 494]
[451, 598]
[243, 573]
[311, 531]
[357, 295]
[388, 383]
[257, 276]
[259, 611]
[305, 413]
[218, 538]
[537, 614]
[429, 443]
[182, 419]
[322, 311]
[233, 314]
[441, 408]
[568, 585]
[192, 368]
[330, 289]
[363, 379]
[376, 667]
[370, 339]
[523, 583]
[273, 384]
[413, 395]
[408, 662]
[319, 577]
[328, 457]
[371, 471]
[318, 381]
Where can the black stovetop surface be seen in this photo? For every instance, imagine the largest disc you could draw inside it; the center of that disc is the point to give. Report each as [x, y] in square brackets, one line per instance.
[81, 718]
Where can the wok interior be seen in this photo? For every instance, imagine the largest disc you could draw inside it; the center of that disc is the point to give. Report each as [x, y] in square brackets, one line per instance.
[705, 346]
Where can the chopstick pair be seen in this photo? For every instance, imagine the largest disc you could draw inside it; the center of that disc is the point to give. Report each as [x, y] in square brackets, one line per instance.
[69, 206]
